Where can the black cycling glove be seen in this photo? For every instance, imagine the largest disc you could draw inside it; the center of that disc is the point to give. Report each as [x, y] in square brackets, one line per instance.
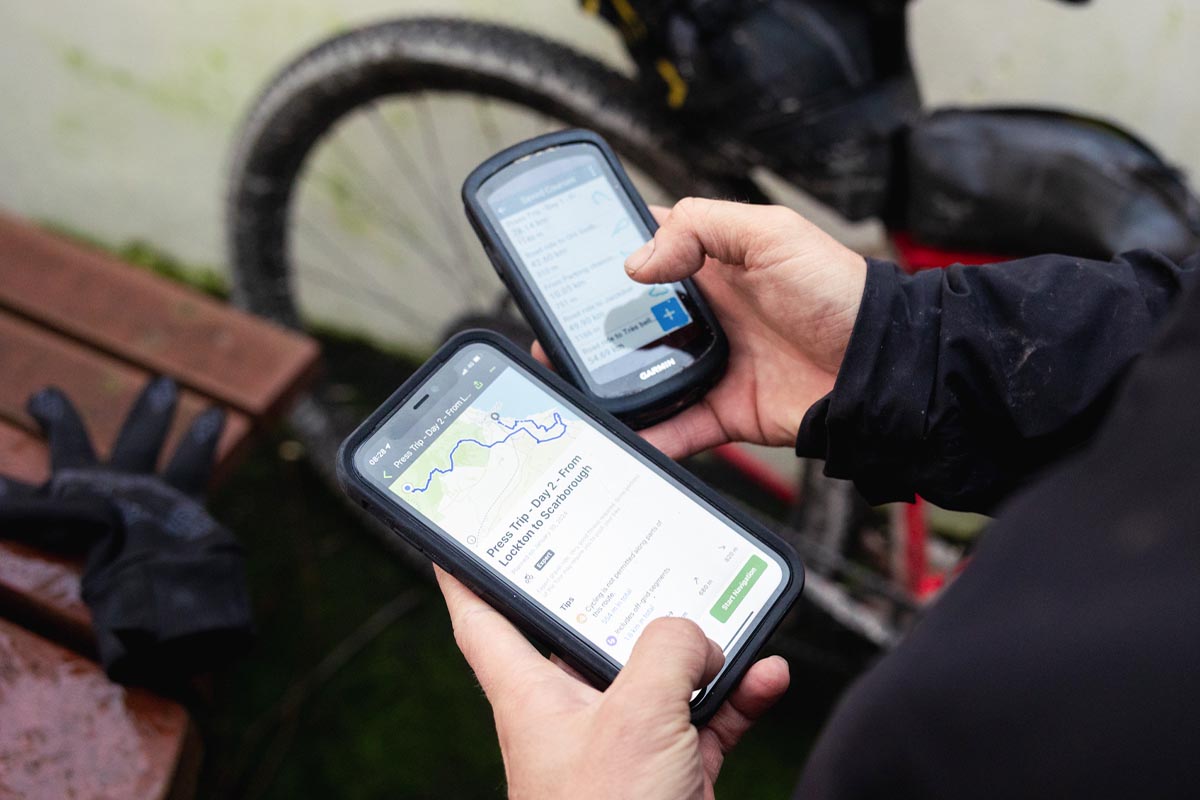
[165, 581]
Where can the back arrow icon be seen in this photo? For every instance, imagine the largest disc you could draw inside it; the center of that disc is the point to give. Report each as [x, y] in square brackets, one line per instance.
[385, 474]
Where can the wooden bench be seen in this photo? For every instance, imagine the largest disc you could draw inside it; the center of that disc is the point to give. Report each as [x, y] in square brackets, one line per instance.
[100, 329]
[70, 732]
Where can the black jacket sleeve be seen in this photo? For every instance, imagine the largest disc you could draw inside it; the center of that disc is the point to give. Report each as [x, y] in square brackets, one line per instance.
[960, 383]
[1062, 662]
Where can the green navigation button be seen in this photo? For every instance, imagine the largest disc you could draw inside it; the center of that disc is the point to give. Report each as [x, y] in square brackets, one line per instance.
[738, 589]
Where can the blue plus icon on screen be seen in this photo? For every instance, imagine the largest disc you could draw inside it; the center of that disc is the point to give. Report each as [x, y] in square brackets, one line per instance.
[670, 314]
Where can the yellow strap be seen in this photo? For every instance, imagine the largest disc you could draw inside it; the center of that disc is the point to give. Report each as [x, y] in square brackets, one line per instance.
[677, 87]
[591, 6]
[634, 28]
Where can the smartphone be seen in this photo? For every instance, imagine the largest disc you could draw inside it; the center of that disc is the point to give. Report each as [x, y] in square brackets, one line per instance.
[557, 216]
[561, 517]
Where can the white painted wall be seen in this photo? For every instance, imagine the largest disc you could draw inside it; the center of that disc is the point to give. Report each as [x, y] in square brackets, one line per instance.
[116, 117]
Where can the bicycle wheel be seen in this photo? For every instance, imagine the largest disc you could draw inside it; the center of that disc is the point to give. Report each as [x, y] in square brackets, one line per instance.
[343, 204]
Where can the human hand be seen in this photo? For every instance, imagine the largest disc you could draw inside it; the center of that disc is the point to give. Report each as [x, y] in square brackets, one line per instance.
[787, 295]
[560, 737]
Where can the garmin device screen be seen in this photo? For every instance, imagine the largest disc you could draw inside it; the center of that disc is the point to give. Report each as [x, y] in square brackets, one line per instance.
[569, 224]
[526, 484]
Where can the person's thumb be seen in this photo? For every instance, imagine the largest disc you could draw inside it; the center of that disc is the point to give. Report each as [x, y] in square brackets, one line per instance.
[697, 228]
[671, 659]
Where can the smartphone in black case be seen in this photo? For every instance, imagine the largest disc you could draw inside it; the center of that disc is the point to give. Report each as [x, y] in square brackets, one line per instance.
[557, 216]
[561, 517]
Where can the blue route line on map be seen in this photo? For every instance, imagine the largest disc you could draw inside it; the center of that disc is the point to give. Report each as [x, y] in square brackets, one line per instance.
[515, 430]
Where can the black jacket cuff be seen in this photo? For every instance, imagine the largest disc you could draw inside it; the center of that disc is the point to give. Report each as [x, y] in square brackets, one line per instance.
[900, 317]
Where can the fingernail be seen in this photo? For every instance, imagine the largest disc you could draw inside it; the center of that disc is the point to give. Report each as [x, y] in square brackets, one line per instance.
[638, 258]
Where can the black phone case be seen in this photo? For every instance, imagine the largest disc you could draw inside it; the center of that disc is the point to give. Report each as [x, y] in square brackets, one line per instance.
[642, 408]
[536, 623]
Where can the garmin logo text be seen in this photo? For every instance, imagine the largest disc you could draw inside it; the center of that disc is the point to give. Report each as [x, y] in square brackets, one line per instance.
[650, 372]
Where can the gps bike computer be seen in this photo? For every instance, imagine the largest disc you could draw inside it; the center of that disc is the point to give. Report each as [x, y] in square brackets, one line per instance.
[557, 216]
[561, 517]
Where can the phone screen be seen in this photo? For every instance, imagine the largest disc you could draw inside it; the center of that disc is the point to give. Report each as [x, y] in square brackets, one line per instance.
[526, 484]
[570, 225]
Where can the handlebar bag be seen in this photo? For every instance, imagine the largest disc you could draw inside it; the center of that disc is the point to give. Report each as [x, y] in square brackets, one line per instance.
[1023, 180]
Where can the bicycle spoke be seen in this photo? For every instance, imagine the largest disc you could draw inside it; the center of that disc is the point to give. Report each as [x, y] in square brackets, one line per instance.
[333, 282]
[487, 123]
[368, 176]
[429, 250]
[433, 261]
[407, 166]
[438, 162]
[382, 294]
[337, 253]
